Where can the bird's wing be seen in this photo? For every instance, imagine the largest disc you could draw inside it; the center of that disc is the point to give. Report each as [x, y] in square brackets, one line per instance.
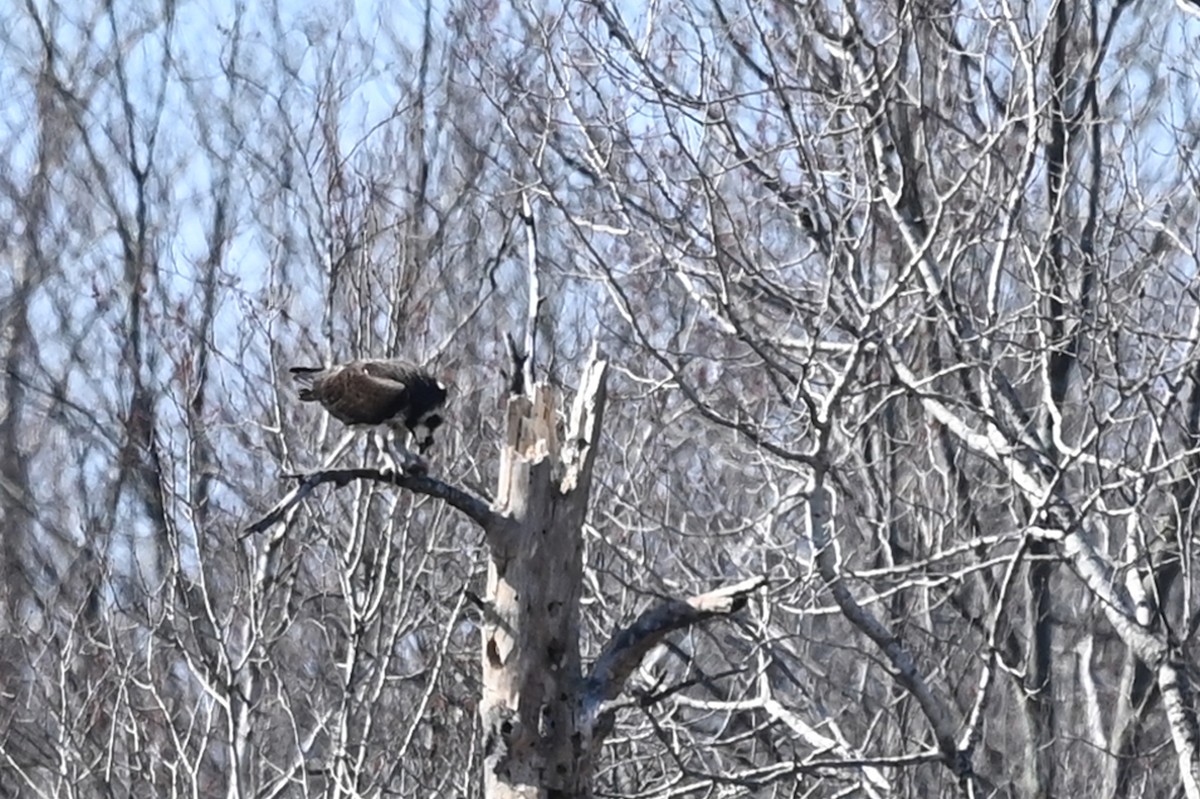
[355, 396]
[389, 369]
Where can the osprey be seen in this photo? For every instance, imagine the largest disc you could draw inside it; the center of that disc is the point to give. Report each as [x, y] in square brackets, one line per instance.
[377, 392]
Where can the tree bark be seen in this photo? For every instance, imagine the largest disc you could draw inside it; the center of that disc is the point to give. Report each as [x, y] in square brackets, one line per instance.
[536, 741]
[544, 720]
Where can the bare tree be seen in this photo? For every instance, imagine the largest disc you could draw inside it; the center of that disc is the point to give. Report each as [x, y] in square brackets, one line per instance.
[928, 310]
[898, 304]
[197, 212]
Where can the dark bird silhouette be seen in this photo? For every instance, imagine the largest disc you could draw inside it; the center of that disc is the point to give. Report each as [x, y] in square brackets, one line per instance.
[374, 393]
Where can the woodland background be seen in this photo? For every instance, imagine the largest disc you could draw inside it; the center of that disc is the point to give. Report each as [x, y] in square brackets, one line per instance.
[934, 259]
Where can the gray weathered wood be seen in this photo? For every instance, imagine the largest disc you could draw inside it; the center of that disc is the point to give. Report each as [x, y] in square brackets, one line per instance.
[533, 745]
[544, 721]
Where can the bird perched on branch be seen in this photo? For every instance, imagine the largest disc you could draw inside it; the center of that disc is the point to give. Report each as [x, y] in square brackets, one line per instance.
[379, 393]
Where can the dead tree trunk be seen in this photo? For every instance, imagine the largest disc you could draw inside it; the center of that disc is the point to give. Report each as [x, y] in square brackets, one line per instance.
[537, 742]
[544, 719]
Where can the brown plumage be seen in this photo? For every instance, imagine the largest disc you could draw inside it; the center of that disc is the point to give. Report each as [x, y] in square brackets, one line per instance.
[371, 392]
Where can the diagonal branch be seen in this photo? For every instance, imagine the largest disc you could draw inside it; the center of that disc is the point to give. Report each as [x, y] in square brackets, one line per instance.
[904, 668]
[626, 649]
[476, 508]
[1097, 572]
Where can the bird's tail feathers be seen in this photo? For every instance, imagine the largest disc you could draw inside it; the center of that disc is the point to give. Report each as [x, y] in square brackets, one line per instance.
[304, 376]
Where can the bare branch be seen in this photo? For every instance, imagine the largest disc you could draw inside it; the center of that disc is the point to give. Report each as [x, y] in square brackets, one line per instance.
[904, 667]
[472, 506]
[535, 301]
[626, 649]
